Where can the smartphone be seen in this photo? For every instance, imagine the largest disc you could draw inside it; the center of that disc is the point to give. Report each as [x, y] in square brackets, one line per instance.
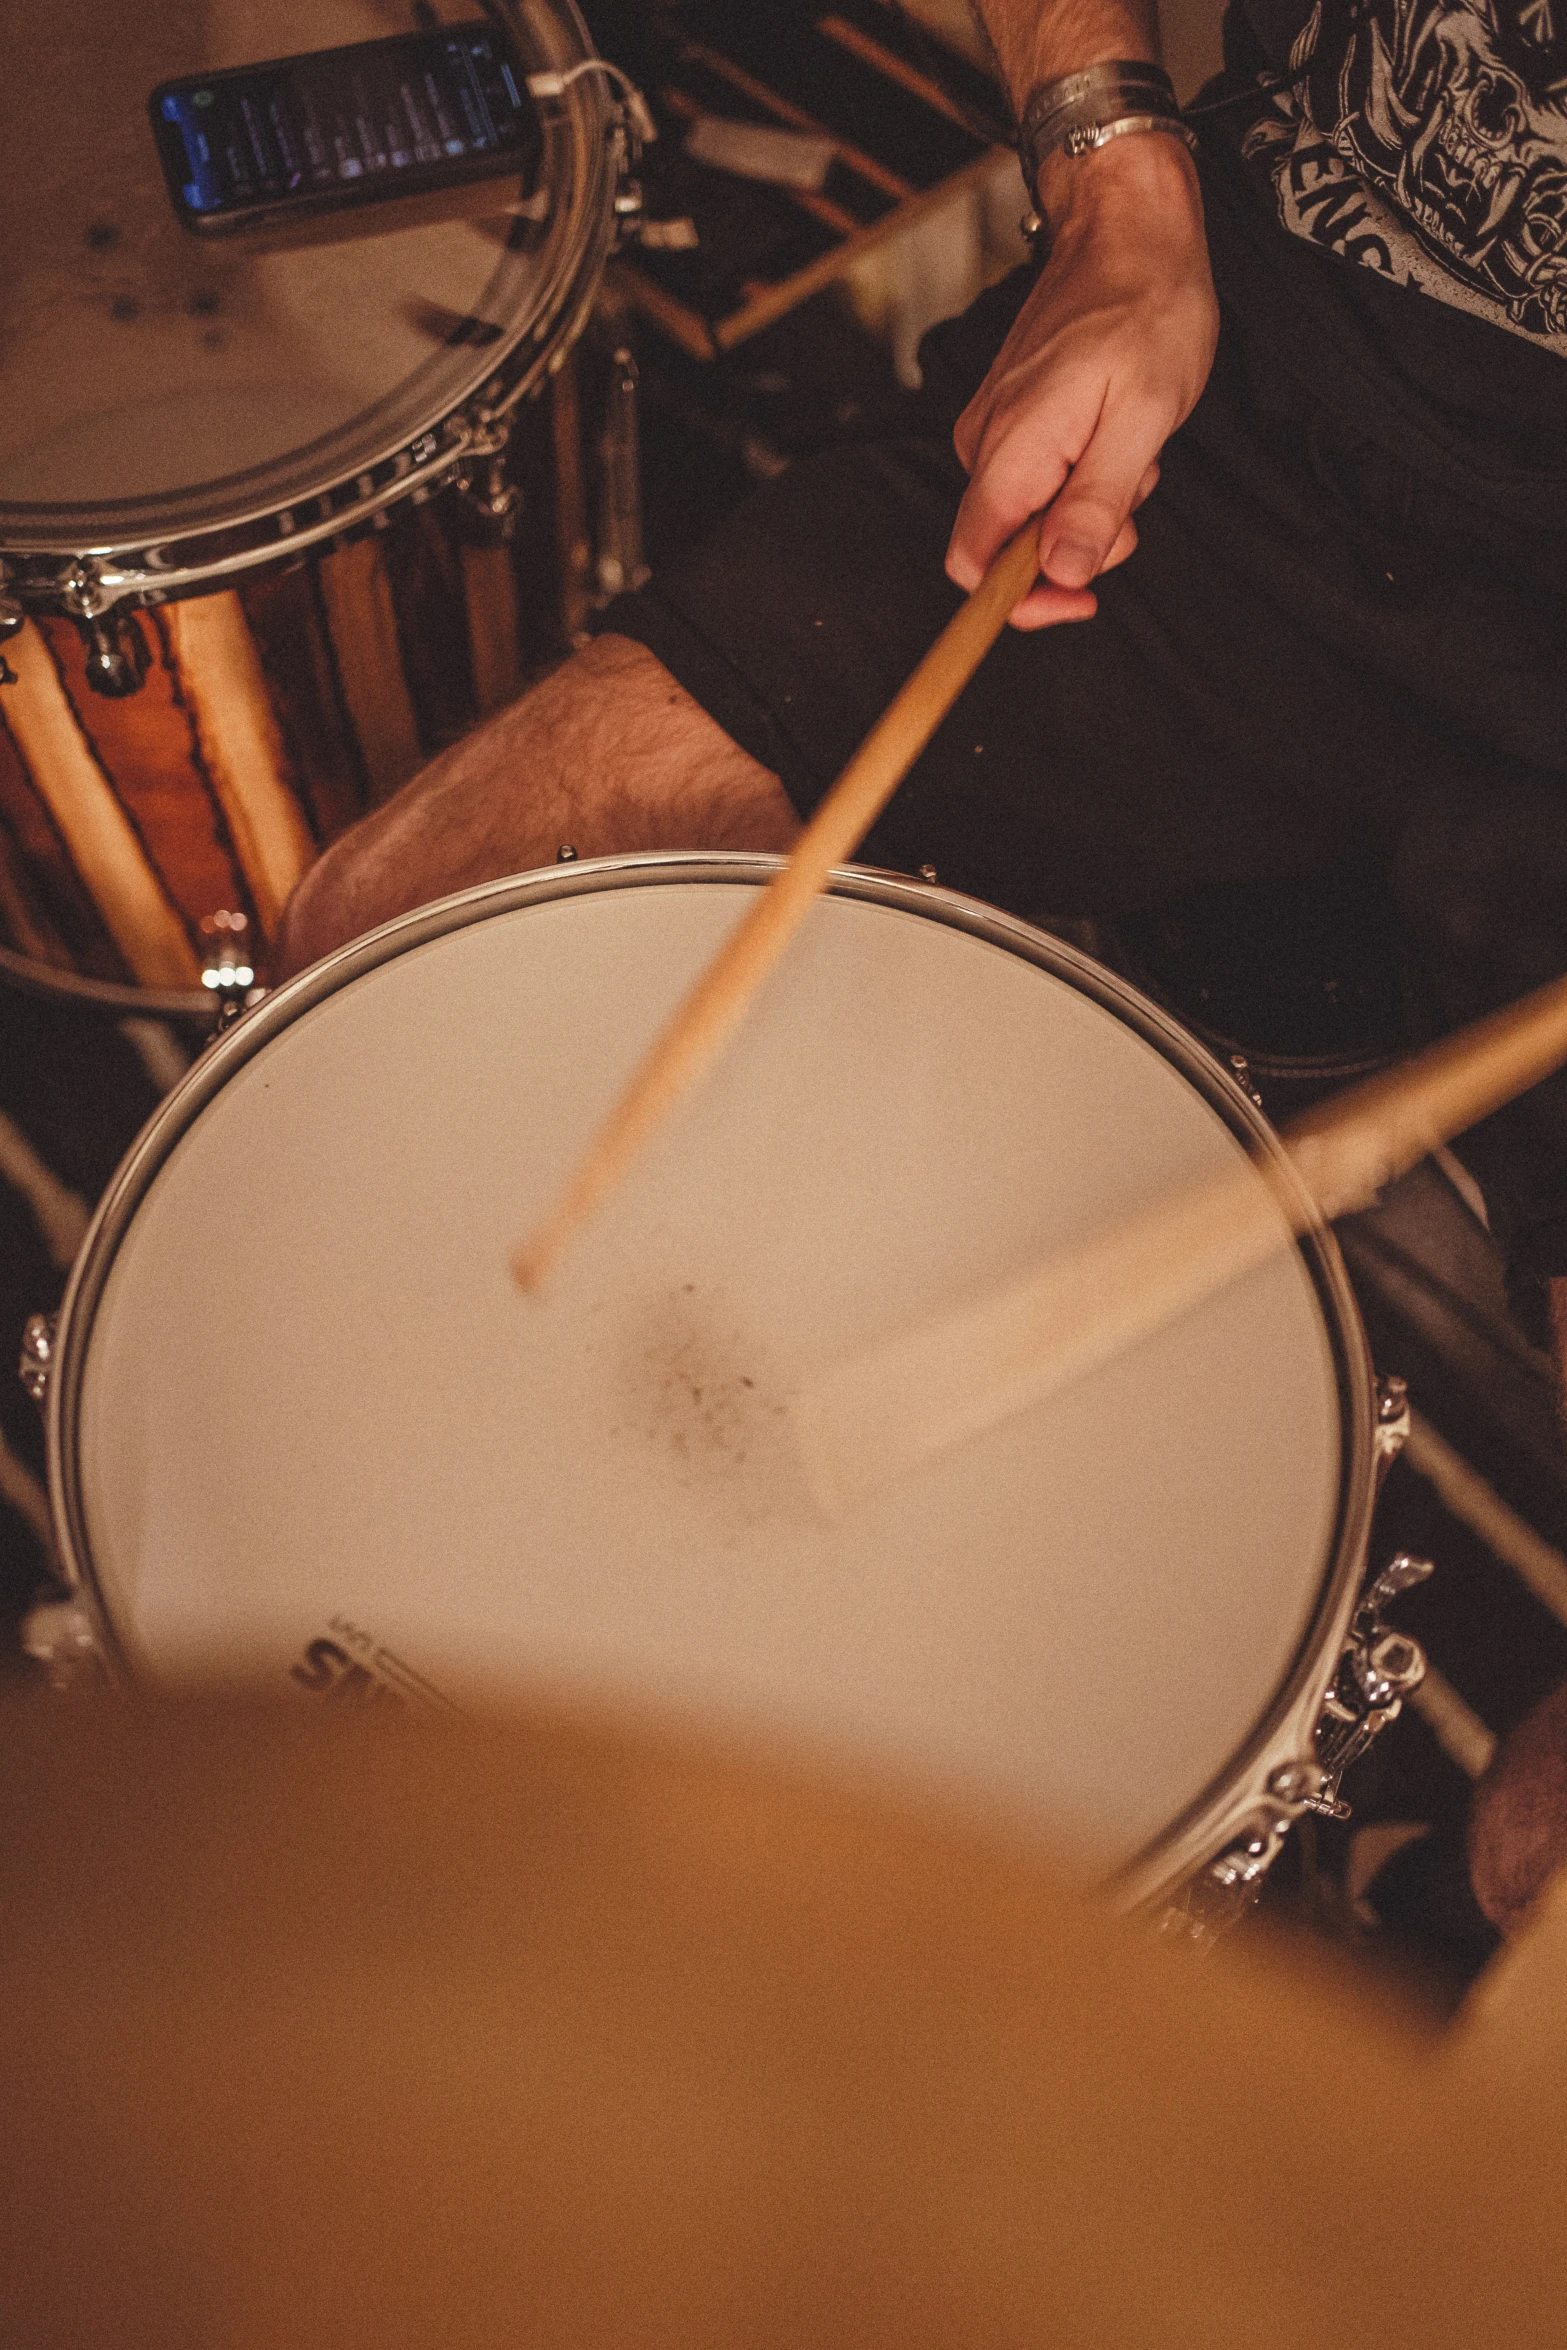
[272, 142]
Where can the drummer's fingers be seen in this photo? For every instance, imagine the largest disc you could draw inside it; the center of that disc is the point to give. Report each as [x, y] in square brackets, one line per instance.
[1086, 520]
[1045, 606]
[1014, 479]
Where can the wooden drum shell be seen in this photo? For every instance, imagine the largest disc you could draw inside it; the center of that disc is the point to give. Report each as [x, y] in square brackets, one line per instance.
[272, 715]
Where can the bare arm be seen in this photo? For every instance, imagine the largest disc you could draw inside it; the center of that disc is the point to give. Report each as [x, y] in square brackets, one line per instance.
[1113, 346]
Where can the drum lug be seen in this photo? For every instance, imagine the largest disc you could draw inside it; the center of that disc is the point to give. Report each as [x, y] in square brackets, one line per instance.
[58, 1633]
[481, 479]
[628, 212]
[35, 1364]
[1240, 1070]
[1392, 1428]
[227, 965]
[82, 593]
[117, 656]
[1377, 1670]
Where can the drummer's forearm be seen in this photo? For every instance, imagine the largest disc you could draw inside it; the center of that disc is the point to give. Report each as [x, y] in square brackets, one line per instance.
[1036, 40]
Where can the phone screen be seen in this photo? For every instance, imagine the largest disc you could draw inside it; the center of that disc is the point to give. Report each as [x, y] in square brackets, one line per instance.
[340, 125]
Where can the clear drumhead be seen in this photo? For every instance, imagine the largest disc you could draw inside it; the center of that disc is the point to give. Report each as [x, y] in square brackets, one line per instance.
[305, 1425]
[154, 382]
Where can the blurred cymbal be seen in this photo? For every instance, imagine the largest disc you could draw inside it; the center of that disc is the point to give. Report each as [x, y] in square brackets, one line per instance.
[557, 2033]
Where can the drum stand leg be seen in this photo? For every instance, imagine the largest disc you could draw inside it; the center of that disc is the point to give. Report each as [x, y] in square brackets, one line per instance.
[621, 564]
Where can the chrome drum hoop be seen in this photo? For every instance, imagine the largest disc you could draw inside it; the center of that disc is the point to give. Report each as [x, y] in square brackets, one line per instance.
[64, 570]
[1262, 1780]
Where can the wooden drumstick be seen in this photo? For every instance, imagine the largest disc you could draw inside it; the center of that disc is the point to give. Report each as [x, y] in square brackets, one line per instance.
[716, 1005]
[876, 1416]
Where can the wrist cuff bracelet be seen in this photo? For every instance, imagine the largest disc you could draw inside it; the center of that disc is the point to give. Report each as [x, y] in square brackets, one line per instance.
[1089, 109]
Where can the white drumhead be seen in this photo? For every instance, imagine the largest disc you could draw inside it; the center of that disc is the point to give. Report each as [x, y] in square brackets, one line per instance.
[208, 374]
[314, 1407]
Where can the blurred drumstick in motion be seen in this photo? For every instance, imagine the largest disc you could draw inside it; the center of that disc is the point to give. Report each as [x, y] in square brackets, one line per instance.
[876, 1416]
[716, 1005]
[325, 2031]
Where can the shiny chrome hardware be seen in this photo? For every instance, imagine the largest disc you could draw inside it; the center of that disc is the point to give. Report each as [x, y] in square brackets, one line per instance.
[482, 478]
[83, 592]
[1392, 1429]
[635, 124]
[118, 658]
[227, 966]
[492, 495]
[1219, 1896]
[628, 211]
[1240, 1070]
[1296, 1783]
[36, 1359]
[234, 1007]
[1377, 1670]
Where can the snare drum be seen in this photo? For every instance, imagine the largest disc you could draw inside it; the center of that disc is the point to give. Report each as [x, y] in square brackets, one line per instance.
[304, 1429]
[180, 416]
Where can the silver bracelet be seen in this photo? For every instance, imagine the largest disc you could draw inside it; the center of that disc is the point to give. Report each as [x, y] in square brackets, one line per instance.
[1085, 110]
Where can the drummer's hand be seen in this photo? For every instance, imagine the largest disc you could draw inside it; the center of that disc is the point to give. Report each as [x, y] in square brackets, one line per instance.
[1107, 357]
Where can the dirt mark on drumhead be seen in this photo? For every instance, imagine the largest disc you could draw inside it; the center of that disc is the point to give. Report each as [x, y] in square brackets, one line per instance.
[697, 1388]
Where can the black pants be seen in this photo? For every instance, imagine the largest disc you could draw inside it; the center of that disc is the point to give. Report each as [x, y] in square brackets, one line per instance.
[1341, 639]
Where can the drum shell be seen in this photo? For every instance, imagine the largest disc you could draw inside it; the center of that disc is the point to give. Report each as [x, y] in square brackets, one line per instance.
[1248, 1798]
[225, 448]
[273, 714]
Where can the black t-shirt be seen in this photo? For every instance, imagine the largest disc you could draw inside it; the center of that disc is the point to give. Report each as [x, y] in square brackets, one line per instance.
[1356, 125]
[1427, 141]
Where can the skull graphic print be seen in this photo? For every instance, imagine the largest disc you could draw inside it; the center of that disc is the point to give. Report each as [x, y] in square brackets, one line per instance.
[1431, 142]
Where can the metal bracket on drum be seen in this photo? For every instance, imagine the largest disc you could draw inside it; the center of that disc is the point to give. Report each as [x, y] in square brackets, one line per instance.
[36, 1361]
[1219, 1896]
[1377, 1669]
[57, 1631]
[1392, 1429]
[482, 480]
[87, 589]
[1240, 1070]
